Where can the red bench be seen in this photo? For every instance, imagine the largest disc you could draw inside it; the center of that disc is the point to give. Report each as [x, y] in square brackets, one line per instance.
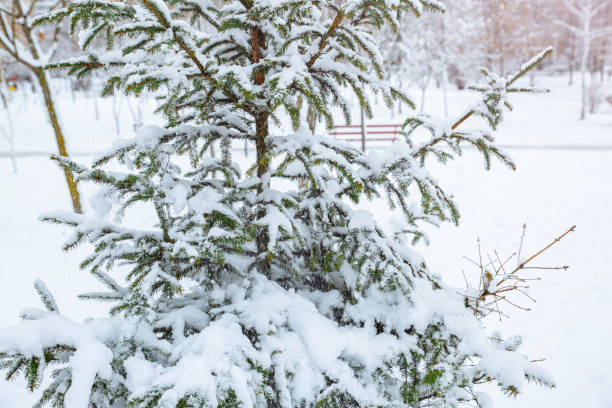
[373, 133]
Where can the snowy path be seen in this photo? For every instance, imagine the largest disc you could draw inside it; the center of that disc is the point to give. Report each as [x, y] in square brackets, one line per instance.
[570, 326]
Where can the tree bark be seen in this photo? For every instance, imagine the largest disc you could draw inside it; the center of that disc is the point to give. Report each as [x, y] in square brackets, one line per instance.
[261, 133]
[571, 63]
[312, 119]
[445, 91]
[262, 238]
[41, 75]
[10, 135]
[583, 68]
[424, 90]
[59, 138]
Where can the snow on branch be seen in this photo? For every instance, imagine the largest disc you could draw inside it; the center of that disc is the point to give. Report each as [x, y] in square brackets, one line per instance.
[491, 108]
[45, 296]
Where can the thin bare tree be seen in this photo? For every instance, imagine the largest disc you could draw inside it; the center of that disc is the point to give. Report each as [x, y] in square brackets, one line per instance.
[23, 42]
[586, 28]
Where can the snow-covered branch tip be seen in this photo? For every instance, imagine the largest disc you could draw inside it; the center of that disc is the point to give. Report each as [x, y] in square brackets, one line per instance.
[529, 65]
[45, 296]
[525, 68]
[447, 140]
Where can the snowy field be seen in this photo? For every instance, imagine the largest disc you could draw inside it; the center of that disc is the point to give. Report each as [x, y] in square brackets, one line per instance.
[563, 178]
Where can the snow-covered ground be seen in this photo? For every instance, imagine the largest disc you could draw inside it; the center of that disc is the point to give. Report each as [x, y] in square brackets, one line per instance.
[563, 178]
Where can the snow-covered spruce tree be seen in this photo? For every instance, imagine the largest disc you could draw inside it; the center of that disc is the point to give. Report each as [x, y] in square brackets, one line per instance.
[263, 287]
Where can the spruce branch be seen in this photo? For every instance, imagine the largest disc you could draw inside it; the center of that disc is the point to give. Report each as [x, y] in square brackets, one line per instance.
[323, 42]
[525, 68]
[45, 296]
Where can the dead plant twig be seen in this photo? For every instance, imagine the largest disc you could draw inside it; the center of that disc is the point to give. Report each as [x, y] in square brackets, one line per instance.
[495, 284]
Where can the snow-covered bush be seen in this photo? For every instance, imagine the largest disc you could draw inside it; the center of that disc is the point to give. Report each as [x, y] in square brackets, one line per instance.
[265, 286]
[596, 95]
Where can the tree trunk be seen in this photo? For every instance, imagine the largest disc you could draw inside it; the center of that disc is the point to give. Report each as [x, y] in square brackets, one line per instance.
[262, 238]
[424, 90]
[571, 63]
[445, 91]
[311, 119]
[116, 113]
[583, 68]
[96, 109]
[364, 133]
[399, 103]
[10, 136]
[41, 76]
[59, 138]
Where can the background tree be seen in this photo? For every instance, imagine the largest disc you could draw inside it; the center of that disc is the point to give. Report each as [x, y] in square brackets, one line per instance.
[591, 23]
[505, 33]
[33, 48]
[418, 54]
[7, 127]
